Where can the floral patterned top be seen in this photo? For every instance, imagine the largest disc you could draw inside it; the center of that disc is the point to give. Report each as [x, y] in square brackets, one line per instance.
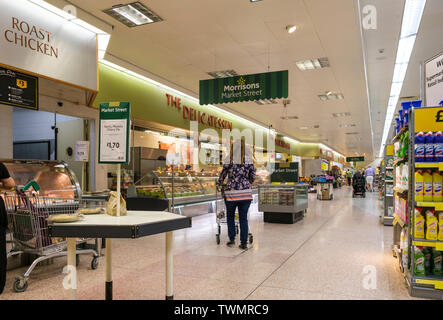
[240, 176]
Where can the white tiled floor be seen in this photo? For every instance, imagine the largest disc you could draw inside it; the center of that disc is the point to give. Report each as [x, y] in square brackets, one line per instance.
[320, 257]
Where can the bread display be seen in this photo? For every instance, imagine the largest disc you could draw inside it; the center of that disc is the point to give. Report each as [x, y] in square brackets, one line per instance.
[62, 218]
[90, 211]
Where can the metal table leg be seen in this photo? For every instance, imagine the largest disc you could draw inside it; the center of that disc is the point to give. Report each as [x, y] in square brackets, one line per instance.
[108, 257]
[72, 270]
[169, 267]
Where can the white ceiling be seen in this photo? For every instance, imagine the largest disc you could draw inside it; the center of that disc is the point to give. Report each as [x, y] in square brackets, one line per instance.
[198, 36]
[381, 65]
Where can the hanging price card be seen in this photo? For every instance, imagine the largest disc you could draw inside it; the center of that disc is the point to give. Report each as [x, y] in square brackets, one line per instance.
[114, 132]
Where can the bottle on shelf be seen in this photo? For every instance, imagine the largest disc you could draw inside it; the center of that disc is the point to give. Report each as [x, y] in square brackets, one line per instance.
[419, 186]
[419, 227]
[431, 225]
[427, 183]
[429, 147]
[438, 147]
[437, 182]
[419, 150]
[440, 226]
[419, 259]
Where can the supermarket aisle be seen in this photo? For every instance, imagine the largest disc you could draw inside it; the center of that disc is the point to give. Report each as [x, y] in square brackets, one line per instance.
[321, 257]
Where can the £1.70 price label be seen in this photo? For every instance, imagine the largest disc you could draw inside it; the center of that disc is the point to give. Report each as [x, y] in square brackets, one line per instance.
[113, 140]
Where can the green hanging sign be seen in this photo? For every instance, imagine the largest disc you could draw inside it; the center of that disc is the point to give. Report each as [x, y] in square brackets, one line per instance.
[251, 87]
[355, 159]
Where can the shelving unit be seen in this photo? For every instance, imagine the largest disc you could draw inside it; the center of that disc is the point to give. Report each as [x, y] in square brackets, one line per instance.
[386, 175]
[430, 285]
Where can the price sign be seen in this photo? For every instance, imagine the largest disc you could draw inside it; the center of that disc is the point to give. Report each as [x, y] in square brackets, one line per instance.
[82, 151]
[114, 132]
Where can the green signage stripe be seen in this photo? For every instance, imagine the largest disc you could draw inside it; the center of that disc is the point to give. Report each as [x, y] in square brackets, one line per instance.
[252, 87]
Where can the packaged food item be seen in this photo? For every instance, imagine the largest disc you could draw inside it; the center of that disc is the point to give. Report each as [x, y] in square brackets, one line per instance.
[436, 262]
[419, 188]
[419, 225]
[437, 182]
[427, 252]
[431, 225]
[90, 211]
[419, 150]
[111, 205]
[429, 147]
[419, 262]
[62, 218]
[438, 147]
[440, 226]
[427, 183]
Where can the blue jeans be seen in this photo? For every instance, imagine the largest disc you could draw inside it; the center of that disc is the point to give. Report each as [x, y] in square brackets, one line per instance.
[243, 207]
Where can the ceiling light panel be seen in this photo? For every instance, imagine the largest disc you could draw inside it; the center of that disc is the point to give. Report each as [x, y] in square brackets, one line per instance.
[223, 74]
[347, 125]
[133, 14]
[331, 96]
[313, 64]
[289, 118]
[343, 114]
[266, 101]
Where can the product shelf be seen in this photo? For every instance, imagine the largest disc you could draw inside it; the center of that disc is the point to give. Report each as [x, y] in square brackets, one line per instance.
[436, 281]
[438, 165]
[428, 243]
[397, 137]
[437, 205]
[398, 220]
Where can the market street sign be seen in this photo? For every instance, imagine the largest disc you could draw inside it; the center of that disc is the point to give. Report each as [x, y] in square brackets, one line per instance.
[114, 133]
[18, 89]
[355, 159]
[251, 87]
[286, 172]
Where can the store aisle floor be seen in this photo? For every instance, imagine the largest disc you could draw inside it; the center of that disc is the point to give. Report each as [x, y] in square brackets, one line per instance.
[325, 256]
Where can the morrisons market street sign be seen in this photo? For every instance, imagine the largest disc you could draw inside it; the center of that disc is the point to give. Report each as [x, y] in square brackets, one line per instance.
[251, 87]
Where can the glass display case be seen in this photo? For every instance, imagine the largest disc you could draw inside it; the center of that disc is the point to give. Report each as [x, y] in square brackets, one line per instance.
[283, 203]
[54, 178]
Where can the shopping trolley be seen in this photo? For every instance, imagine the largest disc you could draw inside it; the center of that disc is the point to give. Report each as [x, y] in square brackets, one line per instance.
[220, 214]
[27, 218]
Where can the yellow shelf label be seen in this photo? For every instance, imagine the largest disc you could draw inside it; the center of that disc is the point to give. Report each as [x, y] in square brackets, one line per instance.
[436, 283]
[424, 244]
[437, 205]
[428, 119]
[275, 182]
[439, 246]
[438, 165]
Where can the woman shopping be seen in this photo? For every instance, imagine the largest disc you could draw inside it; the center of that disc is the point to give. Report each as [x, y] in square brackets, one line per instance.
[6, 182]
[240, 172]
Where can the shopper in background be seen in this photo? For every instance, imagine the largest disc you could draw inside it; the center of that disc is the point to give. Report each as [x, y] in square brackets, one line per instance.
[240, 172]
[6, 182]
[370, 173]
[349, 177]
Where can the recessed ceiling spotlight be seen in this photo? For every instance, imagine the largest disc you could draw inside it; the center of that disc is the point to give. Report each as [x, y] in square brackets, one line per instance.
[328, 93]
[291, 29]
[254, 0]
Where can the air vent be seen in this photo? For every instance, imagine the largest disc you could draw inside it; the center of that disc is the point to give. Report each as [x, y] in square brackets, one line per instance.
[266, 101]
[347, 125]
[133, 14]
[223, 74]
[352, 133]
[313, 64]
[309, 127]
[343, 114]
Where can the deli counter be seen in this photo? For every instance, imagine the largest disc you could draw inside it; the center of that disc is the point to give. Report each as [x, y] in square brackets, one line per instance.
[54, 178]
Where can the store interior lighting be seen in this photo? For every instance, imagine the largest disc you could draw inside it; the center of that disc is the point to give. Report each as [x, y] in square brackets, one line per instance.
[291, 29]
[412, 15]
[313, 64]
[102, 37]
[133, 14]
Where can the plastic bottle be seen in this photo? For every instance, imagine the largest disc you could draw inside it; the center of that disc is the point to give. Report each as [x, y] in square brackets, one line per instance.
[419, 150]
[436, 262]
[404, 247]
[440, 226]
[437, 183]
[438, 147]
[419, 186]
[406, 144]
[427, 183]
[429, 147]
[431, 225]
[419, 224]
[427, 252]
[419, 259]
